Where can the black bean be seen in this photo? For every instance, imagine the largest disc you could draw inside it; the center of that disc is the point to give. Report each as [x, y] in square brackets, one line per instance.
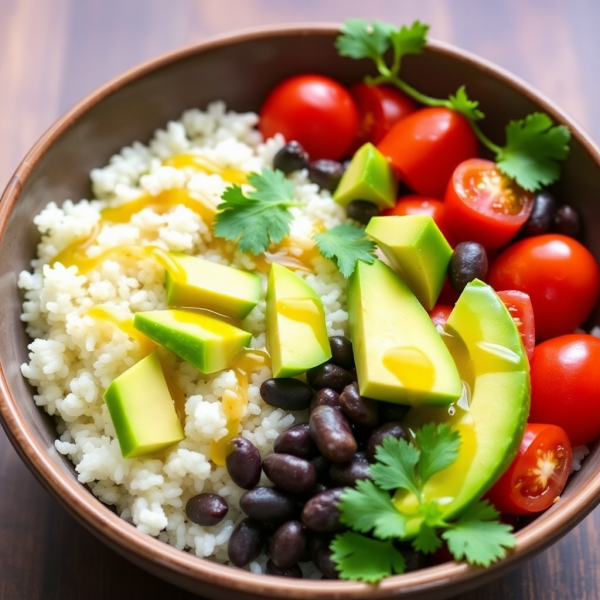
[328, 376]
[269, 505]
[332, 434]
[341, 351]
[326, 173]
[324, 562]
[542, 215]
[567, 221]
[393, 429]
[362, 211]
[468, 262]
[325, 397]
[288, 544]
[357, 408]
[296, 440]
[246, 542]
[294, 571]
[347, 474]
[243, 463]
[321, 513]
[290, 473]
[286, 393]
[321, 465]
[206, 509]
[292, 157]
[390, 411]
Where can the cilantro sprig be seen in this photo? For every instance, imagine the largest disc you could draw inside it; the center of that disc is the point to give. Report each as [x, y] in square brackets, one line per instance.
[259, 217]
[534, 146]
[476, 535]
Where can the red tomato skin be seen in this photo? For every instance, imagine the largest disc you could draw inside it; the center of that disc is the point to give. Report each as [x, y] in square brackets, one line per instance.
[439, 314]
[565, 386]
[448, 295]
[520, 309]
[468, 219]
[314, 110]
[505, 496]
[380, 107]
[425, 148]
[560, 276]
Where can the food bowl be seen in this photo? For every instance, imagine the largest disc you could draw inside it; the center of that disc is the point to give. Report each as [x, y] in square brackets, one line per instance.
[240, 69]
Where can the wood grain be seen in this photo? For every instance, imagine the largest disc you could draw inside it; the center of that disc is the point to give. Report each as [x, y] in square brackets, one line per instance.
[56, 51]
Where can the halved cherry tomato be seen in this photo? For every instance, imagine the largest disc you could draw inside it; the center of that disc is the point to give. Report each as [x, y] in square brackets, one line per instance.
[379, 107]
[425, 148]
[439, 314]
[313, 110]
[560, 276]
[483, 205]
[565, 385]
[520, 309]
[537, 475]
[420, 205]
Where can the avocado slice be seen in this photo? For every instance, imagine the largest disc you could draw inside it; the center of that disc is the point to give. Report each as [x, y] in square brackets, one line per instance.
[142, 410]
[491, 414]
[417, 250]
[206, 342]
[400, 357]
[199, 283]
[368, 177]
[296, 327]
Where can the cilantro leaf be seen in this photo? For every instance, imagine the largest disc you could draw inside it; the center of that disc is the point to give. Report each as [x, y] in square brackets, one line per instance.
[478, 536]
[439, 449]
[427, 540]
[361, 558]
[462, 104]
[346, 244]
[369, 508]
[533, 148]
[258, 217]
[395, 465]
[409, 40]
[361, 40]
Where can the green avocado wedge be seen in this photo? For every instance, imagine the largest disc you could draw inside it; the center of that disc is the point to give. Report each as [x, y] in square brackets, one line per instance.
[492, 412]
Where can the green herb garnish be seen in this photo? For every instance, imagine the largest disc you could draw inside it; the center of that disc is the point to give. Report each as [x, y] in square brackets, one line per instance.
[346, 244]
[476, 535]
[534, 146]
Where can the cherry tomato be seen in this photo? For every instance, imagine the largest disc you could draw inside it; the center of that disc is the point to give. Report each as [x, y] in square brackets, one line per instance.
[520, 309]
[379, 107]
[484, 205]
[420, 205]
[439, 314]
[313, 110]
[537, 475]
[425, 148]
[565, 385]
[448, 295]
[560, 276]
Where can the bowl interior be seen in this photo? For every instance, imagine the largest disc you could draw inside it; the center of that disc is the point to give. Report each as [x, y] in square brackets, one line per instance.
[240, 71]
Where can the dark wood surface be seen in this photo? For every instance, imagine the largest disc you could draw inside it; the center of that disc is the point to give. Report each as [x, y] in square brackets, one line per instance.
[53, 52]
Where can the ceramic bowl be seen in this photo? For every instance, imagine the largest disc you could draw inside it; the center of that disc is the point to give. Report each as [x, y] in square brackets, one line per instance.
[240, 69]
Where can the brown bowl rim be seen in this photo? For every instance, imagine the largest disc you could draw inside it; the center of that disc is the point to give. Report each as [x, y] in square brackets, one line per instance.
[105, 523]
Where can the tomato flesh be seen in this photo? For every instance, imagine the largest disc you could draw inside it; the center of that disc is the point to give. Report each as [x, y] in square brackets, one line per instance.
[520, 309]
[483, 205]
[537, 475]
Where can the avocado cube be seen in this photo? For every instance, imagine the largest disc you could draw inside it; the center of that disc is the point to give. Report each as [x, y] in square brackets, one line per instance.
[199, 283]
[368, 177]
[142, 410]
[417, 250]
[400, 357]
[296, 328]
[206, 342]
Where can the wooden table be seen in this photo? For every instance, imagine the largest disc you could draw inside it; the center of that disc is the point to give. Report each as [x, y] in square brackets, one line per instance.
[53, 52]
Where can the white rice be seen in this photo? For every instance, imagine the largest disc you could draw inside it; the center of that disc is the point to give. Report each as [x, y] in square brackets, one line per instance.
[73, 359]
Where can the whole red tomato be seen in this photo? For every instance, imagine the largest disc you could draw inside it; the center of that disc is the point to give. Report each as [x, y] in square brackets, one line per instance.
[313, 110]
[559, 274]
[425, 148]
[565, 385]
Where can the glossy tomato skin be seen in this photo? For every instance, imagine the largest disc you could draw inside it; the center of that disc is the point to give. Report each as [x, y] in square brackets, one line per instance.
[380, 107]
[314, 110]
[560, 276]
[425, 148]
[537, 475]
[485, 206]
[565, 385]
[439, 314]
[520, 309]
